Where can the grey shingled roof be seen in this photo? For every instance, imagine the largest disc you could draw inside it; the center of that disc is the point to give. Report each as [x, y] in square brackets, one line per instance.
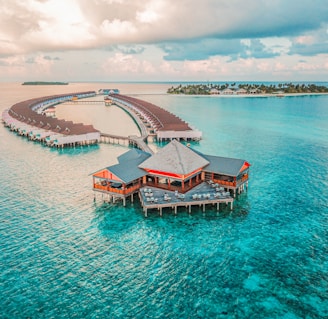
[133, 154]
[175, 158]
[127, 169]
[223, 165]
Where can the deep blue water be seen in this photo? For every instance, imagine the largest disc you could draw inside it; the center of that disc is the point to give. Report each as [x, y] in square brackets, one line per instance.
[64, 255]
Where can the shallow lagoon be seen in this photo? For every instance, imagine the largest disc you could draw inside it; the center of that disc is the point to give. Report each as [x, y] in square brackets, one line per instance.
[64, 255]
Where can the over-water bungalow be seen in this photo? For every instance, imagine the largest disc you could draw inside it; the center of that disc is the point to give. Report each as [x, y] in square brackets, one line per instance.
[123, 179]
[177, 174]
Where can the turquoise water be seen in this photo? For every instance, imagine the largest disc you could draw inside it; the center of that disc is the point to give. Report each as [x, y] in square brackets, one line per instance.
[64, 255]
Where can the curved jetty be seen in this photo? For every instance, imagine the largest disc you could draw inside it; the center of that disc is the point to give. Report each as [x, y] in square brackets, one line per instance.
[35, 119]
[163, 124]
[29, 118]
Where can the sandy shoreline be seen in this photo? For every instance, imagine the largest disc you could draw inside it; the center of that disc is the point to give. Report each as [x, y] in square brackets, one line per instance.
[250, 95]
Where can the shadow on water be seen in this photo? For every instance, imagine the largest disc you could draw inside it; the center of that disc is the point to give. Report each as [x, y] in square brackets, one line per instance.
[77, 150]
[113, 219]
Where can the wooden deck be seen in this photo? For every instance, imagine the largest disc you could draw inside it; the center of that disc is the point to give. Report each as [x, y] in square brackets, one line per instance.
[152, 198]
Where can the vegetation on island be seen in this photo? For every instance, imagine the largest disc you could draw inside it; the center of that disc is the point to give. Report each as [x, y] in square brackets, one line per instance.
[44, 83]
[247, 88]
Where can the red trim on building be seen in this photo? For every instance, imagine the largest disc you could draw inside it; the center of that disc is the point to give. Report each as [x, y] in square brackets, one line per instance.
[172, 175]
[245, 166]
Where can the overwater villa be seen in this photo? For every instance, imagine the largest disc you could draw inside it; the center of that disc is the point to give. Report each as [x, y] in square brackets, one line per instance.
[175, 176]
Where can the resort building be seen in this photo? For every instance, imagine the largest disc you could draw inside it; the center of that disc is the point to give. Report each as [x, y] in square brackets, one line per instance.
[227, 91]
[175, 176]
[241, 91]
[214, 91]
[162, 124]
[34, 119]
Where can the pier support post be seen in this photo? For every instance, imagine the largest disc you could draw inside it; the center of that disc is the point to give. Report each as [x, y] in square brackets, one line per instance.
[160, 211]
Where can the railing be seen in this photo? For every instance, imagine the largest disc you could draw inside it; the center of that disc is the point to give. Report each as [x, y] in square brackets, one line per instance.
[225, 183]
[231, 184]
[171, 187]
[125, 191]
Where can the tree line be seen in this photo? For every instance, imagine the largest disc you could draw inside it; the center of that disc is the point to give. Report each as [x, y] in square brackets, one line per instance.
[248, 88]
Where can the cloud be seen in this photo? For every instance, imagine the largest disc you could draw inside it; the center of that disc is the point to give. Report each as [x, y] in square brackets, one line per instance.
[72, 24]
[176, 36]
[311, 43]
[39, 58]
[205, 48]
[47, 57]
[126, 64]
[200, 49]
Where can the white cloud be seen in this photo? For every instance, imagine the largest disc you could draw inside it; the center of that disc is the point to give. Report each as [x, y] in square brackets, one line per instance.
[117, 29]
[126, 64]
[231, 38]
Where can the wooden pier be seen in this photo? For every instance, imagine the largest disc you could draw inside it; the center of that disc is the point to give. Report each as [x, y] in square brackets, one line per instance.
[201, 196]
[132, 140]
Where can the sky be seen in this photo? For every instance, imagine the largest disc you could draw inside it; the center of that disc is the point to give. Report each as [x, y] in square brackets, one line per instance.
[163, 40]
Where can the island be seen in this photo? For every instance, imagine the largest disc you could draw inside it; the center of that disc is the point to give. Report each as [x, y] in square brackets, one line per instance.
[248, 89]
[44, 83]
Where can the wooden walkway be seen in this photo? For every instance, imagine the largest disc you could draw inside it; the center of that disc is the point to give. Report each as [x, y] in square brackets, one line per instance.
[137, 141]
[132, 140]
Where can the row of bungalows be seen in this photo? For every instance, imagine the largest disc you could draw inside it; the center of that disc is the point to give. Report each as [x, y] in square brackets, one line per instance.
[175, 169]
[229, 91]
[163, 124]
[27, 118]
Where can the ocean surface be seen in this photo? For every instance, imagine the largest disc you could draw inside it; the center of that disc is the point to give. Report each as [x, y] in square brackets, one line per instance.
[64, 255]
